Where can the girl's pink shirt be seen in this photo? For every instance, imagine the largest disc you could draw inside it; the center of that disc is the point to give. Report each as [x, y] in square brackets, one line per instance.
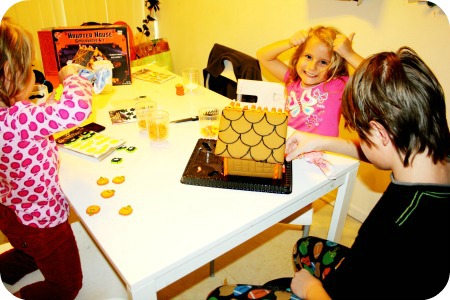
[29, 160]
[316, 109]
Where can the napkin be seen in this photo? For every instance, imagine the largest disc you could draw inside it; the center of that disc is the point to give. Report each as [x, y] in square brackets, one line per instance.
[317, 159]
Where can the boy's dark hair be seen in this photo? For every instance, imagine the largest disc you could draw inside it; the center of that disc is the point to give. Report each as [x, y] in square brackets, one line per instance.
[399, 91]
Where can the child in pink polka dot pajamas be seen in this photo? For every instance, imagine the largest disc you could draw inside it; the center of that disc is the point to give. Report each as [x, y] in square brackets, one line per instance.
[33, 208]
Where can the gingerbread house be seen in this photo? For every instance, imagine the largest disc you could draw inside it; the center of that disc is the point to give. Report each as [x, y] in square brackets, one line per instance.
[252, 140]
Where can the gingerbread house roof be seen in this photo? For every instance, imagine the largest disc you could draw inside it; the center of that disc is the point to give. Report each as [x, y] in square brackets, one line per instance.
[254, 133]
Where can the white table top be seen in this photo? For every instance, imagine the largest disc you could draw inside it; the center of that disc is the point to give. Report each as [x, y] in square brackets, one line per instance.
[174, 228]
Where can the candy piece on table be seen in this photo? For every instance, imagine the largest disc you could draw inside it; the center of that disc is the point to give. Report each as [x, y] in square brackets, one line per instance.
[92, 210]
[126, 210]
[123, 147]
[118, 179]
[102, 180]
[179, 89]
[116, 160]
[131, 149]
[107, 193]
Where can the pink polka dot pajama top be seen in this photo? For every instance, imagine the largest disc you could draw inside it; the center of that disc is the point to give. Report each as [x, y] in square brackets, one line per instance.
[29, 159]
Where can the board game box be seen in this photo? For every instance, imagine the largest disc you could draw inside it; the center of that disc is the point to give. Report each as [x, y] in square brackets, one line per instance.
[85, 44]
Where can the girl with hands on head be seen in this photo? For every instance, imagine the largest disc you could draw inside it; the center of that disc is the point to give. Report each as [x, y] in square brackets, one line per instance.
[315, 77]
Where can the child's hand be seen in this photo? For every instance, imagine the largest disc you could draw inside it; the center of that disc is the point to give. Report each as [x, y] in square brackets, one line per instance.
[343, 45]
[302, 142]
[51, 98]
[298, 38]
[306, 286]
[67, 71]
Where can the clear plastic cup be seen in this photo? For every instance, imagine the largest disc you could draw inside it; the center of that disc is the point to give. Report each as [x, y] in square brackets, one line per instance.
[209, 119]
[191, 79]
[158, 125]
[142, 110]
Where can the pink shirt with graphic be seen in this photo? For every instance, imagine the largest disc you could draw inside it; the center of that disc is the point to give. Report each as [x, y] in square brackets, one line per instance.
[316, 109]
[29, 160]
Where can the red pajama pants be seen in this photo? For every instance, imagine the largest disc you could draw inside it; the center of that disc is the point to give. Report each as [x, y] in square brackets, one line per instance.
[51, 250]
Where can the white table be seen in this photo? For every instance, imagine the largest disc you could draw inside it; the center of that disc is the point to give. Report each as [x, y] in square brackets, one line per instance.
[177, 228]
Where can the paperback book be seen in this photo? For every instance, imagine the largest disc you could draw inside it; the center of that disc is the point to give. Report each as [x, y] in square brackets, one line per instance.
[90, 144]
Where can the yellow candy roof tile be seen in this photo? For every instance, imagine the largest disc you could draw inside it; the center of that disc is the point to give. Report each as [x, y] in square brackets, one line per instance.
[252, 133]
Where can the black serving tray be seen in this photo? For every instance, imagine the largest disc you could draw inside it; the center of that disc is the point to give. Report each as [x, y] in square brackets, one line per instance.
[206, 169]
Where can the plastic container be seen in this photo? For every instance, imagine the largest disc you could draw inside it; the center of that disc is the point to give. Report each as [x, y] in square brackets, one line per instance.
[103, 71]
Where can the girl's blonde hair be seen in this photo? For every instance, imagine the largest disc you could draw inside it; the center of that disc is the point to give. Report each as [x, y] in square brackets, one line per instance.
[16, 57]
[338, 65]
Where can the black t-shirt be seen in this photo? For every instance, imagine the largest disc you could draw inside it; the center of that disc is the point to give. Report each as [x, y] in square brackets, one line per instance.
[402, 248]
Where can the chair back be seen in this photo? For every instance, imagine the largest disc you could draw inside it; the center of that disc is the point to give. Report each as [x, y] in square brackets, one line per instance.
[225, 66]
[268, 94]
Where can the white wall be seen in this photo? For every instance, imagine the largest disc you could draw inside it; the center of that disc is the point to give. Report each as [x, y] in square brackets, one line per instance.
[192, 27]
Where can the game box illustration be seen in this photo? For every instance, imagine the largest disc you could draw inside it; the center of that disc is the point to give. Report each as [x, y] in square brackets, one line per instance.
[85, 44]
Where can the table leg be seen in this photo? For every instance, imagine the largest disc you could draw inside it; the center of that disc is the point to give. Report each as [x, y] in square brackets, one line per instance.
[146, 292]
[341, 206]
[211, 268]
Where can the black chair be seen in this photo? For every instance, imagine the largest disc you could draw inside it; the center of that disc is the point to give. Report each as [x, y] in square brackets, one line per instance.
[243, 66]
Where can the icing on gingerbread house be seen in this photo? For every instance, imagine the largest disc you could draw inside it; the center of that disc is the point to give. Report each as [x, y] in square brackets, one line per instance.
[252, 140]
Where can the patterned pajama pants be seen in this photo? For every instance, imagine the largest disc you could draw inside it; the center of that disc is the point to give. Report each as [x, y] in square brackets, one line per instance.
[320, 257]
